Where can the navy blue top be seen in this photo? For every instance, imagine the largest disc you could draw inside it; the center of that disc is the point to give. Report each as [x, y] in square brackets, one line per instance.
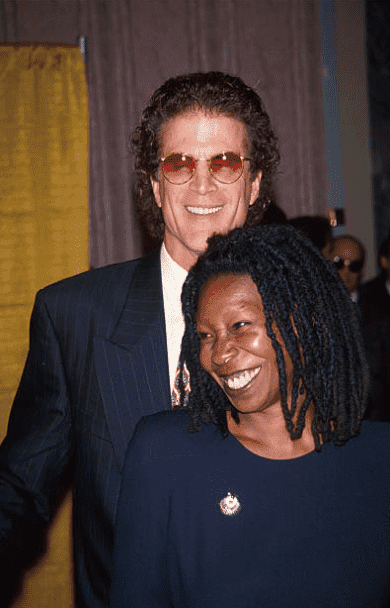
[311, 532]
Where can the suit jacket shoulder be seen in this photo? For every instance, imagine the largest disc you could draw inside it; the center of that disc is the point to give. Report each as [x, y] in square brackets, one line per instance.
[374, 288]
[374, 300]
[97, 287]
[98, 294]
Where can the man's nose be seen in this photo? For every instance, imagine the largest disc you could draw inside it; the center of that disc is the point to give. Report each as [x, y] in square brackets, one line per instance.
[223, 350]
[202, 181]
[345, 273]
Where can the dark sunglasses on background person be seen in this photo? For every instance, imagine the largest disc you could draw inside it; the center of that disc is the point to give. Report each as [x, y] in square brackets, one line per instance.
[226, 167]
[354, 266]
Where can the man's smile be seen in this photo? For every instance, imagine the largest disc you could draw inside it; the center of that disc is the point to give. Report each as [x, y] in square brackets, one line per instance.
[203, 210]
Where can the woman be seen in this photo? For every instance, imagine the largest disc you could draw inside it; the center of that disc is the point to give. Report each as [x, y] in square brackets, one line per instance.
[278, 497]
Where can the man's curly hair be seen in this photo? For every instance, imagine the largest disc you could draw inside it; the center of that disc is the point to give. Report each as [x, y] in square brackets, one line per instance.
[305, 299]
[214, 93]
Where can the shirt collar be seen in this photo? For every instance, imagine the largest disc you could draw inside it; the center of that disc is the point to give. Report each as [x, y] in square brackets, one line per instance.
[173, 275]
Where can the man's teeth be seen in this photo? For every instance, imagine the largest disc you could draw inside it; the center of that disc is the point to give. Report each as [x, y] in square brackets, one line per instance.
[203, 210]
[242, 379]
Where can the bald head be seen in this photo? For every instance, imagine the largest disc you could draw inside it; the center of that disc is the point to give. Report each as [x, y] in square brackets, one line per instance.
[348, 254]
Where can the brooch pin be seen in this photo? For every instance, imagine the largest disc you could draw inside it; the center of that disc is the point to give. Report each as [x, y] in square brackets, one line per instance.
[229, 505]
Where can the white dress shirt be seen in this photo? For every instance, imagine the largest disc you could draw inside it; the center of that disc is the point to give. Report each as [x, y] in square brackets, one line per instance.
[173, 277]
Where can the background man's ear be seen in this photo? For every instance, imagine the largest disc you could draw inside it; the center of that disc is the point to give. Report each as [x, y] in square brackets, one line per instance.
[384, 263]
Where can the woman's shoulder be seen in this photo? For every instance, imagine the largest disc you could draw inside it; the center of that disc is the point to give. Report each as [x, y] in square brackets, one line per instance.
[166, 435]
[372, 443]
[376, 431]
[166, 425]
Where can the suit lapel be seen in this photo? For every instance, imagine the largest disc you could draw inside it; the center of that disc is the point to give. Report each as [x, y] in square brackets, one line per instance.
[132, 364]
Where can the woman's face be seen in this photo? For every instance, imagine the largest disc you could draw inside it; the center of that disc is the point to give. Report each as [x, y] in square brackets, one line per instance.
[234, 346]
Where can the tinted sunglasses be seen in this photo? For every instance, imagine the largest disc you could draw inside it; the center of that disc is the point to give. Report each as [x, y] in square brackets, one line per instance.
[354, 266]
[226, 167]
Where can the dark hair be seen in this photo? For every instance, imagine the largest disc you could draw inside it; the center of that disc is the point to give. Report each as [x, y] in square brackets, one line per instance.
[274, 215]
[305, 299]
[384, 249]
[214, 93]
[316, 227]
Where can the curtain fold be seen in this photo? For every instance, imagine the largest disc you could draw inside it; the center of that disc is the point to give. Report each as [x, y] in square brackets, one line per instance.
[44, 223]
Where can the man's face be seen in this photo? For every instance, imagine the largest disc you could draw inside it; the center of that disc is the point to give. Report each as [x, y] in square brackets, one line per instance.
[348, 251]
[202, 206]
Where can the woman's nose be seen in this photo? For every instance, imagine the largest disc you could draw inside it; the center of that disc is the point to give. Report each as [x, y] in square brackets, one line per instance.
[203, 182]
[223, 350]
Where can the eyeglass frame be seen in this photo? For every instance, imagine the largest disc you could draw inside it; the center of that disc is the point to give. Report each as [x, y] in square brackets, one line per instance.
[242, 158]
[337, 259]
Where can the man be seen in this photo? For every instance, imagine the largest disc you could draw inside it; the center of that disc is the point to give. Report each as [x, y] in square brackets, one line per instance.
[105, 344]
[374, 303]
[348, 255]
[375, 294]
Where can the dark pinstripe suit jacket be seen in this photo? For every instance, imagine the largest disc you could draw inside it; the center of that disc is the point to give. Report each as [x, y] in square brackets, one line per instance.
[97, 363]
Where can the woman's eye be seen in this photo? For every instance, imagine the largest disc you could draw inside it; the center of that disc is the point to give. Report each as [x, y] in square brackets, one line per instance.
[240, 325]
[203, 336]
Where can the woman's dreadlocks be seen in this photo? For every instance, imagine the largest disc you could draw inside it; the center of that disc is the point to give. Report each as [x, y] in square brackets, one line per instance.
[304, 297]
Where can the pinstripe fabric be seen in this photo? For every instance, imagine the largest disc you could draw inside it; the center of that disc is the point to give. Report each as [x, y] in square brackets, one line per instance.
[97, 363]
[133, 365]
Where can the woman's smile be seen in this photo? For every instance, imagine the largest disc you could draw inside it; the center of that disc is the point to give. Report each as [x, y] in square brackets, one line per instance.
[241, 380]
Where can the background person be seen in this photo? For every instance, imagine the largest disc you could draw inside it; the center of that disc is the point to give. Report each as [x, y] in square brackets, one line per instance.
[348, 255]
[375, 294]
[278, 497]
[374, 302]
[104, 345]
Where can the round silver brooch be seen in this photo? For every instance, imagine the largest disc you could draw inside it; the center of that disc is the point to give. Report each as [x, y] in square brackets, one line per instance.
[229, 505]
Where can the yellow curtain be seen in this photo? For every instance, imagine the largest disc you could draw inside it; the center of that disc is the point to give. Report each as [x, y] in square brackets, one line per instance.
[43, 231]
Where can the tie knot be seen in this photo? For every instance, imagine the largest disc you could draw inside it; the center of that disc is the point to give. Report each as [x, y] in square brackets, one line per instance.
[176, 386]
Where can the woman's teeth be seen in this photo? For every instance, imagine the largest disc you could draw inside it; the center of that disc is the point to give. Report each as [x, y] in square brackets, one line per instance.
[203, 210]
[241, 379]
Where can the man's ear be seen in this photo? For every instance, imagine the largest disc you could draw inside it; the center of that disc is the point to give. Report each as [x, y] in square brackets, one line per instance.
[384, 263]
[255, 188]
[156, 191]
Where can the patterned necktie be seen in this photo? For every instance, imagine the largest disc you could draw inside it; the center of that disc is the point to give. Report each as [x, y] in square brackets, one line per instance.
[175, 397]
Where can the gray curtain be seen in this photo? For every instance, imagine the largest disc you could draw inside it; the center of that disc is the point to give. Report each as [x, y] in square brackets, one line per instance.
[133, 46]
